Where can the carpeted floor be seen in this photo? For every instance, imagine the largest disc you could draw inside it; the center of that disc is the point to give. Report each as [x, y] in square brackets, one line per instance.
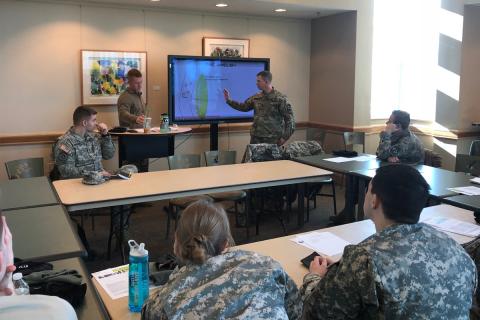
[148, 225]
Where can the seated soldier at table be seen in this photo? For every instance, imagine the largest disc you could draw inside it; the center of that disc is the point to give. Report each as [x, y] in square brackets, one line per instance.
[217, 283]
[398, 143]
[407, 270]
[80, 151]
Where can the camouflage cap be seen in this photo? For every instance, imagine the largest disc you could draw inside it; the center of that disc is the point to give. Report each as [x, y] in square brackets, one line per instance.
[262, 152]
[127, 170]
[93, 177]
[301, 149]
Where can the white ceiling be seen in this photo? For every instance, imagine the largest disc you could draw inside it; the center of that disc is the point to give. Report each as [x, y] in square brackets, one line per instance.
[302, 9]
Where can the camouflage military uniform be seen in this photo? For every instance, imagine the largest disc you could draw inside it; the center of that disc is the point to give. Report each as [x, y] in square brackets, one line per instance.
[130, 106]
[273, 116]
[402, 144]
[268, 152]
[238, 284]
[74, 155]
[403, 272]
[301, 149]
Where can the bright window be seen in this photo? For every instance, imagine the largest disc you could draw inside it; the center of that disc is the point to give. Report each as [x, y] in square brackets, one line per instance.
[405, 70]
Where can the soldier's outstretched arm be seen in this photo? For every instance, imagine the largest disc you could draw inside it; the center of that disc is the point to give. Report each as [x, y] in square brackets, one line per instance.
[245, 106]
[288, 118]
[108, 148]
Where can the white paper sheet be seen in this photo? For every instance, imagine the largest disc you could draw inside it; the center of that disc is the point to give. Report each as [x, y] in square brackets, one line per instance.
[114, 281]
[469, 191]
[325, 243]
[364, 158]
[475, 180]
[453, 225]
[338, 159]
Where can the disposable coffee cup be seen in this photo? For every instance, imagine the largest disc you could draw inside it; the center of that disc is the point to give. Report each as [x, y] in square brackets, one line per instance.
[147, 125]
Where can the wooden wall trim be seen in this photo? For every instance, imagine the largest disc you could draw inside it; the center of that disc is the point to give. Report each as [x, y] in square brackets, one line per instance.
[29, 138]
[50, 137]
[330, 127]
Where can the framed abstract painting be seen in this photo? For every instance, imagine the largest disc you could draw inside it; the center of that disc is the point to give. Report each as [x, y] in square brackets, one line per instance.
[226, 47]
[104, 74]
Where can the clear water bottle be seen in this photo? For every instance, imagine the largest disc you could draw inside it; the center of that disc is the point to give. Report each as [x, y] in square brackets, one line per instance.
[19, 285]
[137, 276]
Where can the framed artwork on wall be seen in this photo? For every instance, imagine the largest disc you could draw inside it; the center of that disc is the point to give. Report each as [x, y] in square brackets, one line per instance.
[226, 47]
[104, 74]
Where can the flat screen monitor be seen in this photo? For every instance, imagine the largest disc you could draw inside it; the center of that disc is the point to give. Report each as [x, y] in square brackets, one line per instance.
[195, 87]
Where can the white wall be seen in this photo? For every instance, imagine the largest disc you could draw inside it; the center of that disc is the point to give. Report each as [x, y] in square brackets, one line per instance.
[40, 47]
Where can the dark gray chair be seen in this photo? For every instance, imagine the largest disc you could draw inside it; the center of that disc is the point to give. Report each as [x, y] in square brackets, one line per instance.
[432, 159]
[354, 138]
[218, 158]
[24, 168]
[182, 161]
[468, 164]
[475, 148]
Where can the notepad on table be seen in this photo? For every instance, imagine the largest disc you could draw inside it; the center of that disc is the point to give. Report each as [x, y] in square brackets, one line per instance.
[325, 243]
[469, 191]
[453, 225]
[475, 180]
[338, 159]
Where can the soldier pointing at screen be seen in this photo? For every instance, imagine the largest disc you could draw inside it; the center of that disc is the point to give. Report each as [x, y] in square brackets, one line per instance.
[273, 120]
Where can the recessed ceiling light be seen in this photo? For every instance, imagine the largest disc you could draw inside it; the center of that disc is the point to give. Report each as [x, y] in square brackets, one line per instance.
[221, 5]
[280, 10]
[155, 0]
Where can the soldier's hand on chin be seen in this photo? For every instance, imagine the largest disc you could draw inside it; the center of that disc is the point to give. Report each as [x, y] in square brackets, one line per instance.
[281, 142]
[102, 127]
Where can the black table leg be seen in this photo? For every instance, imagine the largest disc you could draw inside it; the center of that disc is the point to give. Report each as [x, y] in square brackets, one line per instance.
[301, 204]
[362, 188]
[351, 198]
[122, 229]
[247, 212]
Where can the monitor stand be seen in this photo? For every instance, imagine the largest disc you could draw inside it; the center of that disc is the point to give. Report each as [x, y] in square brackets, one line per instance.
[213, 136]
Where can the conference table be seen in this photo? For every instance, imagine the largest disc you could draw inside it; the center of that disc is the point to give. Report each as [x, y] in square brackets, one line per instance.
[465, 202]
[440, 180]
[43, 234]
[168, 184]
[359, 173]
[26, 193]
[289, 253]
[346, 168]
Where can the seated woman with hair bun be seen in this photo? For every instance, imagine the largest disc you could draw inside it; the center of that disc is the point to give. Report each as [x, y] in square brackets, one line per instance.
[217, 283]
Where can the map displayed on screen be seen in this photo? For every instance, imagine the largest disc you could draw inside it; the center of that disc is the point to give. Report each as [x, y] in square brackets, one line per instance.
[198, 87]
